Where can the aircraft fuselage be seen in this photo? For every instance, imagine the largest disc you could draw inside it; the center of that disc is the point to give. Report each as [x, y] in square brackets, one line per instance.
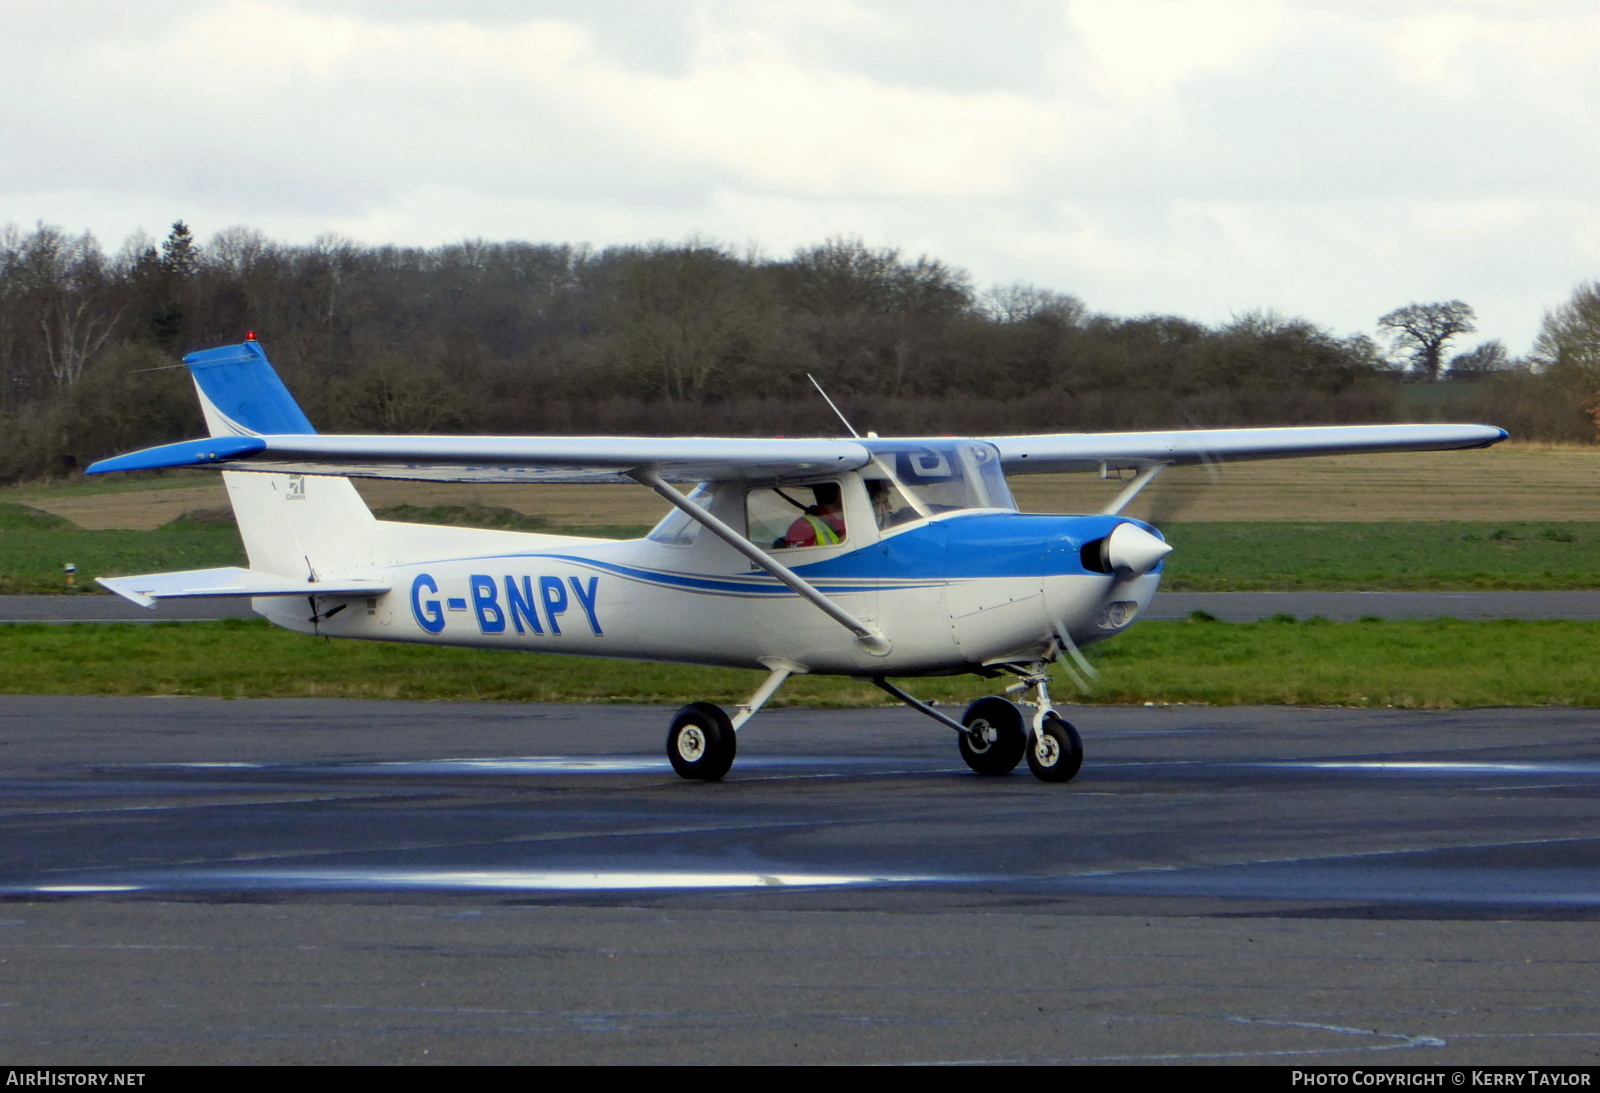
[951, 593]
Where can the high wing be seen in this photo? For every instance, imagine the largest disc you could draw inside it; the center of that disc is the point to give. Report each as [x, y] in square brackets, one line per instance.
[1050, 454]
[548, 459]
[694, 459]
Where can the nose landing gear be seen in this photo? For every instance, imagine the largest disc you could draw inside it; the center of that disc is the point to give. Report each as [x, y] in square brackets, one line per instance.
[994, 733]
[1055, 751]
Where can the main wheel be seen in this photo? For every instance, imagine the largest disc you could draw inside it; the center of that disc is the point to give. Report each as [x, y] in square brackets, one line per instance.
[997, 745]
[701, 743]
[1055, 752]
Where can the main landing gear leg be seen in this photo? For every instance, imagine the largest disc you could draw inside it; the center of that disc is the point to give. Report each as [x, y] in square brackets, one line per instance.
[1054, 751]
[992, 739]
[703, 740]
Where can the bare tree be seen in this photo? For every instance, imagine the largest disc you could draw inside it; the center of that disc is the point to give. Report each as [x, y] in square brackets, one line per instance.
[1568, 346]
[1421, 331]
[682, 315]
[845, 275]
[65, 283]
[1019, 303]
[1482, 359]
[233, 250]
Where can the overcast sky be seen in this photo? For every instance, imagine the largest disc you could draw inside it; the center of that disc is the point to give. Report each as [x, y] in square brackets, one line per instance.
[1326, 158]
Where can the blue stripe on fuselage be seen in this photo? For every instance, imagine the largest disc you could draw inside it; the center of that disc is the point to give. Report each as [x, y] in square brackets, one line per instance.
[952, 549]
[1008, 544]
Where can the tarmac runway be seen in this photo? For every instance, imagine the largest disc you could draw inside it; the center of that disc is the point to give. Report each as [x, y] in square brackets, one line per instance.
[196, 880]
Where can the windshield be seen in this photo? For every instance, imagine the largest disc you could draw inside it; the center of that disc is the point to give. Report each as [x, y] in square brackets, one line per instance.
[940, 476]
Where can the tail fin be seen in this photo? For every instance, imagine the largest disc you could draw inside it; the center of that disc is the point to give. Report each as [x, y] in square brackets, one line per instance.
[241, 395]
[300, 526]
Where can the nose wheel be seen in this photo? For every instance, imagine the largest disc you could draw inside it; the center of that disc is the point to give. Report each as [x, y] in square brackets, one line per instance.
[701, 743]
[1055, 751]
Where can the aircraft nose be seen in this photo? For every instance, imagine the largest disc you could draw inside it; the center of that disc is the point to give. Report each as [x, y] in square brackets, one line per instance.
[1132, 551]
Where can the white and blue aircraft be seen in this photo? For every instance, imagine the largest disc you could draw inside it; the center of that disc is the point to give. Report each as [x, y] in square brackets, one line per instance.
[867, 557]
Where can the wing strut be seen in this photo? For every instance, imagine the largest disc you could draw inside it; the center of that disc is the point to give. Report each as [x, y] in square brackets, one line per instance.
[1131, 490]
[868, 637]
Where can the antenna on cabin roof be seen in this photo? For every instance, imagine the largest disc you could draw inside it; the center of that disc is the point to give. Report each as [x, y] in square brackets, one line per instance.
[832, 407]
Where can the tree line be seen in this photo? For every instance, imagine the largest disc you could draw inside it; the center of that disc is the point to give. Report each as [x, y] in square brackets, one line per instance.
[693, 338]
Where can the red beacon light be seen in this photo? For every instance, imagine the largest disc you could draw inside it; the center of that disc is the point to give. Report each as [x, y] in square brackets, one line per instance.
[249, 335]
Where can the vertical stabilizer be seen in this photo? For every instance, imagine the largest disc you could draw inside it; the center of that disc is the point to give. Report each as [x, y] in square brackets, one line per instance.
[304, 526]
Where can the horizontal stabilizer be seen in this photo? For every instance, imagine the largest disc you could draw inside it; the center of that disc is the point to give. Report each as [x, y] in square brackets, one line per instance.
[145, 590]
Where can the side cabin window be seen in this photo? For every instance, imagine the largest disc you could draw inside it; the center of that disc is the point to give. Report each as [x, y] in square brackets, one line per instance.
[930, 478]
[785, 517]
[678, 528]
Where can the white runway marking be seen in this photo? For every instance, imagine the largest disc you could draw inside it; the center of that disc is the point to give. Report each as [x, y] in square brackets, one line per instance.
[1404, 766]
[565, 764]
[475, 880]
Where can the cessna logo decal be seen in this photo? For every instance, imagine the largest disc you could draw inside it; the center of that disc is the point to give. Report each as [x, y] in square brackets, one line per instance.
[530, 604]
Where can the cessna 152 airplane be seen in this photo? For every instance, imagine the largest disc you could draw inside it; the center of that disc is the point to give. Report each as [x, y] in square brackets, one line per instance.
[868, 557]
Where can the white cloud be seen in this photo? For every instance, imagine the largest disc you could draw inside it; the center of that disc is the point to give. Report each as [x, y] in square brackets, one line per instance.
[1334, 158]
[1145, 48]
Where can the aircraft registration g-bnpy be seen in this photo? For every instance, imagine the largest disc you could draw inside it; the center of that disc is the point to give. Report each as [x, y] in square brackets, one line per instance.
[867, 557]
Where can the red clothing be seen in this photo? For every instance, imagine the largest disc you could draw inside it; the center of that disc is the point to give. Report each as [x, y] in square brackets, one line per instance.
[803, 532]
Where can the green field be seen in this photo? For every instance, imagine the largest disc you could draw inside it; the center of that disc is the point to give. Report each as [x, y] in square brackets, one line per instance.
[1433, 663]
[35, 546]
[1208, 557]
[1227, 557]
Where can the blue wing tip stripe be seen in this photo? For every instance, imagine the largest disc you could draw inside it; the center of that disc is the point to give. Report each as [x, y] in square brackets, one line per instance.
[188, 453]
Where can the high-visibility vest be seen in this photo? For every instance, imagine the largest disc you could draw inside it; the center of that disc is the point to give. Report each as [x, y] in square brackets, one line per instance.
[825, 534]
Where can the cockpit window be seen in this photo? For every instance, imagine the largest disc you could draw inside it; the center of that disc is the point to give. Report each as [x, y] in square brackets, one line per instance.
[935, 477]
[796, 516]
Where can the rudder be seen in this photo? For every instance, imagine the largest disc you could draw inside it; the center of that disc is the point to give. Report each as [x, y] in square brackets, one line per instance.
[305, 526]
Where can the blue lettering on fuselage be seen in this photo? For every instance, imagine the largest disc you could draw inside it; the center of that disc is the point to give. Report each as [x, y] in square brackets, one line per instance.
[491, 620]
[522, 604]
[426, 612]
[554, 594]
[522, 609]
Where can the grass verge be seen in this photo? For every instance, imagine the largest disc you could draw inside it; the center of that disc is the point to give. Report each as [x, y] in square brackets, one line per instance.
[34, 552]
[36, 546]
[1436, 663]
[1207, 557]
[1367, 557]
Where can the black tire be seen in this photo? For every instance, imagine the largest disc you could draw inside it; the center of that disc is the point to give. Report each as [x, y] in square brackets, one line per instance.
[1055, 752]
[1002, 720]
[701, 743]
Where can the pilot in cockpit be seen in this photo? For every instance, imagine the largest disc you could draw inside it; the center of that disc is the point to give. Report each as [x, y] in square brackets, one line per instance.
[821, 524]
[882, 492]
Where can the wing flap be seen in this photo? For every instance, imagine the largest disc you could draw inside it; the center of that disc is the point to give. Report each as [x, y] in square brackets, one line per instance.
[231, 581]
